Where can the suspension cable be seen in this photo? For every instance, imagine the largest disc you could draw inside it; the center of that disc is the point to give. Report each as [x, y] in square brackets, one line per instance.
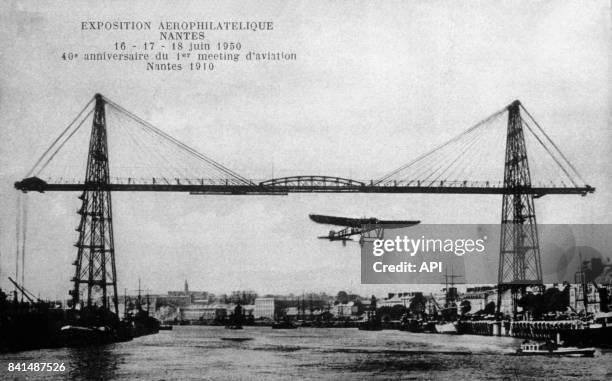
[474, 127]
[40, 159]
[17, 237]
[64, 142]
[553, 144]
[24, 229]
[178, 143]
[550, 153]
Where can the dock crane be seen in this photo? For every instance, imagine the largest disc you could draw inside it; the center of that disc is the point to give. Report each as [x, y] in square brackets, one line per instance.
[28, 295]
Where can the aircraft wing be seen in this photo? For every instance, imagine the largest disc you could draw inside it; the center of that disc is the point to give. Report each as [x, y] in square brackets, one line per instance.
[338, 221]
[397, 223]
[358, 222]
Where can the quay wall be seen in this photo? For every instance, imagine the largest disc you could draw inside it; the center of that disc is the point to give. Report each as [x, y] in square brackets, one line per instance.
[538, 330]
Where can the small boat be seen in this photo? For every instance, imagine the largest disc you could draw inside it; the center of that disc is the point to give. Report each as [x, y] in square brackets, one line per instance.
[233, 326]
[165, 327]
[283, 324]
[550, 348]
[412, 325]
[448, 328]
[80, 336]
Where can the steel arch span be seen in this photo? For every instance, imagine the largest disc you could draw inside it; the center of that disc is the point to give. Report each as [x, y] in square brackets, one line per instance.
[307, 183]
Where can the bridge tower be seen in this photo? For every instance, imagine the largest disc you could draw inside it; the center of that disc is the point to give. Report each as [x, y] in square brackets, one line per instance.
[519, 256]
[95, 264]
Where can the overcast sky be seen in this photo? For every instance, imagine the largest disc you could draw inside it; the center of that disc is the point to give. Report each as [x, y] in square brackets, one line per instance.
[374, 85]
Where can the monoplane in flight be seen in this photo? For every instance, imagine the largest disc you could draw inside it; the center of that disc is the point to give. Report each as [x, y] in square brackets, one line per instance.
[356, 226]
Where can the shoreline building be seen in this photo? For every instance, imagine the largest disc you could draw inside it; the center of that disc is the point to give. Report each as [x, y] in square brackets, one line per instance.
[479, 297]
[266, 308]
[184, 298]
[400, 298]
[593, 287]
[343, 310]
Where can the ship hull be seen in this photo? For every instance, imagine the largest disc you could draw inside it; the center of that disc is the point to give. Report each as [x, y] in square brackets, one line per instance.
[564, 352]
[598, 337]
[447, 328]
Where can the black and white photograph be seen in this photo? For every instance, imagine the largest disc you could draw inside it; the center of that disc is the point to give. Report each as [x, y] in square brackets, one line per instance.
[305, 190]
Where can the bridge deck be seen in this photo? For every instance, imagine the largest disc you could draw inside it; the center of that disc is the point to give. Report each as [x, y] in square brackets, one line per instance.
[273, 187]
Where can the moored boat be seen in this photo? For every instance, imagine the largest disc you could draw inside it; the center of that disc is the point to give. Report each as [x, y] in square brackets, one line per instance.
[283, 324]
[529, 348]
[597, 332]
[79, 336]
[412, 325]
[446, 327]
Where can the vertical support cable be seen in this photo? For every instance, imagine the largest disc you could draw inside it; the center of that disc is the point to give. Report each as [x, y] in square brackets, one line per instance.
[24, 229]
[17, 238]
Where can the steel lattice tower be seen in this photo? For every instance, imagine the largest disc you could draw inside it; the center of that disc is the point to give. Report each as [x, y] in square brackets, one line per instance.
[95, 263]
[519, 256]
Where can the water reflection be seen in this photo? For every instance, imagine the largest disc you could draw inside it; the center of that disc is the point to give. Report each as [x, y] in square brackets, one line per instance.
[93, 363]
[199, 352]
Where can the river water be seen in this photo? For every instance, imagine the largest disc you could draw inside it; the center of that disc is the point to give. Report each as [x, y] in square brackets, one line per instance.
[200, 353]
